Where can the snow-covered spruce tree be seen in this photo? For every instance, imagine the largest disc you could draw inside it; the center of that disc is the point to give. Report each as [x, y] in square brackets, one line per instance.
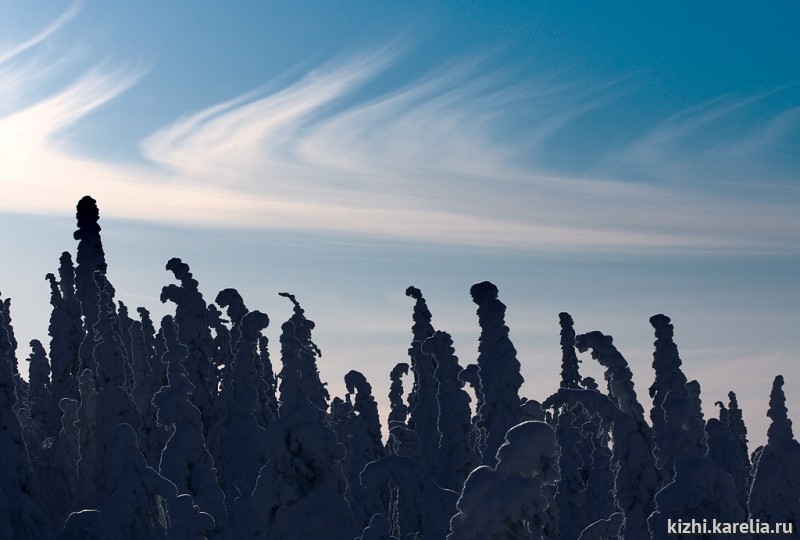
[44, 412]
[399, 410]
[223, 364]
[422, 405]
[299, 355]
[422, 507]
[185, 459]
[570, 374]
[147, 379]
[667, 367]
[112, 405]
[8, 350]
[66, 331]
[193, 331]
[509, 500]
[678, 426]
[21, 518]
[739, 429]
[775, 491]
[363, 430]
[300, 492]
[232, 302]
[90, 259]
[636, 477]
[457, 456]
[698, 490]
[574, 469]
[618, 376]
[723, 451]
[244, 443]
[264, 377]
[499, 370]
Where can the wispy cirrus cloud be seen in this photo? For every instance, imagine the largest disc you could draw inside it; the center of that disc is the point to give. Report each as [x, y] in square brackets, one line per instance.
[419, 161]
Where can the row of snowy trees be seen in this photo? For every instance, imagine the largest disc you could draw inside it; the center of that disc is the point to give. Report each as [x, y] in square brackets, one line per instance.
[131, 430]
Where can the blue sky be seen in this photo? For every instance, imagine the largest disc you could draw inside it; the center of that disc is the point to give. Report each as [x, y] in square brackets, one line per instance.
[613, 161]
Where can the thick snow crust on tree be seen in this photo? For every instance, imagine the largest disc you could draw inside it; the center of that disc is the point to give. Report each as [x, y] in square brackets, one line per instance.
[183, 430]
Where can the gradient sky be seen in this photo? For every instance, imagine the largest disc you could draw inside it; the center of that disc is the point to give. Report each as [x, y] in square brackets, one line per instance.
[614, 161]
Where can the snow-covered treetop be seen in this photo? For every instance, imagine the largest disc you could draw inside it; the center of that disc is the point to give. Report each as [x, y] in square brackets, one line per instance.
[618, 374]
[570, 377]
[299, 353]
[399, 409]
[781, 427]
[422, 328]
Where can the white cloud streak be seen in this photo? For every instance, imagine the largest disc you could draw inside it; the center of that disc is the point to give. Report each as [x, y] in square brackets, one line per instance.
[419, 163]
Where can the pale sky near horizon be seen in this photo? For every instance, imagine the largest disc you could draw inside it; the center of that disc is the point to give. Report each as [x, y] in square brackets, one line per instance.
[612, 161]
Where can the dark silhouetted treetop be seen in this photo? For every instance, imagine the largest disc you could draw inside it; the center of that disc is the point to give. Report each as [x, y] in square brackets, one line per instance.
[66, 330]
[570, 375]
[780, 429]
[667, 367]
[191, 316]
[737, 426]
[499, 370]
[299, 376]
[399, 410]
[618, 375]
[8, 350]
[235, 309]
[90, 259]
[422, 405]
[775, 491]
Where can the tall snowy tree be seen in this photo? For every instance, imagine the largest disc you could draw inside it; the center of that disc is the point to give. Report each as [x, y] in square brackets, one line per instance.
[636, 476]
[66, 331]
[399, 410]
[91, 259]
[21, 518]
[299, 375]
[193, 331]
[457, 456]
[363, 430]
[775, 492]
[185, 459]
[245, 452]
[422, 405]
[499, 370]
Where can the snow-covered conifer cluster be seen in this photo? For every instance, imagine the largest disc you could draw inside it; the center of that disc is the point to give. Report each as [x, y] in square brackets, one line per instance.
[184, 430]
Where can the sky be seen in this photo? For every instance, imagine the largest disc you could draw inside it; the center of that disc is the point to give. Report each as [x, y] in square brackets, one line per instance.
[613, 161]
